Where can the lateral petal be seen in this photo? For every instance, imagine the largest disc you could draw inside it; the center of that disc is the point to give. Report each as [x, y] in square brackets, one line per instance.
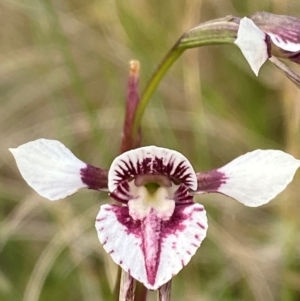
[252, 179]
[154, 253]
[253, 43]
[49, 168]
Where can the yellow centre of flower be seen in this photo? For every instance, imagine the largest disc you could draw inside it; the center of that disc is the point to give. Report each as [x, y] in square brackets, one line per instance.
[151, 196]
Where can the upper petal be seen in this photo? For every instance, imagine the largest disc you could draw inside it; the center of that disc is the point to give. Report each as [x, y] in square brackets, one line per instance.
[151, 160]
[253, 43]
[283, 30]
[52, 170]
[283, 43]
[152, 251]
[252, 179]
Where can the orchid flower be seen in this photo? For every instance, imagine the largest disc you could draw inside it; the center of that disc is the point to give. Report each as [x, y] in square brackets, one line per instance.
[155, 228]
[265, 36]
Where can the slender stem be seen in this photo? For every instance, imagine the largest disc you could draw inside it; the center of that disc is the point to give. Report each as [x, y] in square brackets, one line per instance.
[132, 101]
[219, 31]
[162, 69]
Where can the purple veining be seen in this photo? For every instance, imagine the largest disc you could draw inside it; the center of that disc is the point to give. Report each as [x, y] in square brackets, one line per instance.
[210, 181]
[183, 196]
[201, 226]
[268, 43]
[151, 244]
[153, 166]
[94, 177]
[153, 231]
[286, 27]
[121, 193]
[123, 217]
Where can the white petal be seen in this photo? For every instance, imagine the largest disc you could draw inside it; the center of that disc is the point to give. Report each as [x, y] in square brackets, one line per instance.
[257, 177]
[178, 249]
[252, 42]
[284, 44]
[178, 241]
[151, 160]
[49, 168]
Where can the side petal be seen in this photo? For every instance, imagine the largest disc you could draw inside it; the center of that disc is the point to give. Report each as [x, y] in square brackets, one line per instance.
[253, 43]
[52, 170]
[127, 241]
[252, 179]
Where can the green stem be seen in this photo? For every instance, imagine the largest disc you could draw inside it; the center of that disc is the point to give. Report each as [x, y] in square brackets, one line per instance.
[162, 69]
[219, 31]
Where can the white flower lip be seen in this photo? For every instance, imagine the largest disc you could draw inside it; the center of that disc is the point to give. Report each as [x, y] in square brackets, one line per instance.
[135, 246]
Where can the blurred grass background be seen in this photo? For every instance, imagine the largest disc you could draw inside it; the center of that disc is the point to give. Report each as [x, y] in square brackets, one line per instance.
[63, 75]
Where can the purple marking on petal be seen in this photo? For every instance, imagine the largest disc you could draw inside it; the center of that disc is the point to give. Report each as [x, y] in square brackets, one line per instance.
[153, 231]
[201, 226]
[199, 209]
[149, 230]
[151, 244]
[122, 214]
[182, 195]
[151, 161]
[268, 43]
[210, 181]
[94, 177]
[121, 193]
[286, 28]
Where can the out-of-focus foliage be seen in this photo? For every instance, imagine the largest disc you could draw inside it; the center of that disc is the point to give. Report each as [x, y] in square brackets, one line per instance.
[63, 74]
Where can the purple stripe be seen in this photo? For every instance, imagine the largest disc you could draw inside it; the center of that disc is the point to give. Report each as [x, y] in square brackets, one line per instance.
[183, 196]
[153, 231]
[210, 181]
[94, 177]
[268, 43]
[153, 166]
